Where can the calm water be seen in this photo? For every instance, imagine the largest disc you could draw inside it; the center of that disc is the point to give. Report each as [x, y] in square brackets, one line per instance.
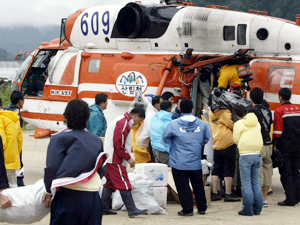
[8, 69]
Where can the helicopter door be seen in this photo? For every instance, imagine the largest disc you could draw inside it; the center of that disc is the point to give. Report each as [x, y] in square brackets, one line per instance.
[62, 81]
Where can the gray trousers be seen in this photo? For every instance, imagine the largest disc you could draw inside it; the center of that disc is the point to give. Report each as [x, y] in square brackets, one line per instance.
[161, 157]
[205, 91]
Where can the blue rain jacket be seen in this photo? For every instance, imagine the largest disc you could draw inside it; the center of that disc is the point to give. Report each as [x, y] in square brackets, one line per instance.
[186, 135]
[97, 123]
[158, 125]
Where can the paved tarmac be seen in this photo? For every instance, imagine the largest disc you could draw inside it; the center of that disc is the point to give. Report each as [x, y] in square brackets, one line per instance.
[34, 157]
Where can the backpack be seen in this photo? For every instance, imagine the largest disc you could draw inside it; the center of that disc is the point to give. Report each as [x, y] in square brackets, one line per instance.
[222, 99]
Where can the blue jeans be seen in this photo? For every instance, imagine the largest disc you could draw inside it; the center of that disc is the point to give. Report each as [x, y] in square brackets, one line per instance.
[251, 190]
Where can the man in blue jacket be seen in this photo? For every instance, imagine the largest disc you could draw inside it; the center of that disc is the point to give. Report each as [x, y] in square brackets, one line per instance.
[187, 135]
[97, 123]
[158, 125]
[177, 112]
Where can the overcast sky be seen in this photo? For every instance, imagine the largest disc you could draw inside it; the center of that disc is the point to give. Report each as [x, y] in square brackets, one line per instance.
[45, 12]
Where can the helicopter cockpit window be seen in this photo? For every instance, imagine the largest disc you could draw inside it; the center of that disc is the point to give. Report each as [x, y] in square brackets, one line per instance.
[38, 73]
[241, 34]
[21, 72]
[94, 66]
[229, 33]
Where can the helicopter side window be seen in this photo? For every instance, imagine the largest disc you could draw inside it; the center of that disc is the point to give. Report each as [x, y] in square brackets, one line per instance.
[229, 33]
[94, 66]
[241, 34]
[279, 77]
[62, 69]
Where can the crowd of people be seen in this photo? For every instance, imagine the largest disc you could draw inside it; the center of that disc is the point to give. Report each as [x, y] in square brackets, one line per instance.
[238, 141]
[241, 142]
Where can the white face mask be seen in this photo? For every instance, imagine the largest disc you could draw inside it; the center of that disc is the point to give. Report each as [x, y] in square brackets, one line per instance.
[131, 122]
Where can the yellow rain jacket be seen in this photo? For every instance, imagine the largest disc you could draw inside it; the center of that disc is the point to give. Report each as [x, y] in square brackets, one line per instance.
[247, 134]
[221, 126]
[141, 155]
[12, 138]
[228, 76]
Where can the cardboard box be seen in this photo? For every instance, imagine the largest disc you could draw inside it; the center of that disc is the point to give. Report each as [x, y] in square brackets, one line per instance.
[156, 172]
[160, 195]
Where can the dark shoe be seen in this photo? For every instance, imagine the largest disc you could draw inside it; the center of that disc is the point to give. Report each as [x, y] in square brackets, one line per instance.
[270, 192]
[181, 213]
[237, 192]
[106, 197]
[216, 197]
[222, 193]
[235, 195]
[109, 212]
[201, 212]
[231, 198]
[130, 206]
[284, 203]
[20, 181]
[241, 213]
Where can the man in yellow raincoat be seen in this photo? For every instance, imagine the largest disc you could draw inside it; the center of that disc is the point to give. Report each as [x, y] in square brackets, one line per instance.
[141, 154]
[12, 139]
[228, 75]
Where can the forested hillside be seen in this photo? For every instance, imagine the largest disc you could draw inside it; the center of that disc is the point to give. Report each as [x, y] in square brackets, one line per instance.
[17, 39]
[5, 56]
[280, 8]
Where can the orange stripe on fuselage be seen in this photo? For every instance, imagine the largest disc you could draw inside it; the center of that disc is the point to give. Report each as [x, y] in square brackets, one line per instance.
[111, 96]
[91, 94]
[43, 116]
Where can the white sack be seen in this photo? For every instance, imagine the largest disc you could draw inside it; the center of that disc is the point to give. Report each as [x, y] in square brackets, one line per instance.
[143, 196]
[142, 193]
[117, 202]
[144, 130]
[205, 167]
[27, 205]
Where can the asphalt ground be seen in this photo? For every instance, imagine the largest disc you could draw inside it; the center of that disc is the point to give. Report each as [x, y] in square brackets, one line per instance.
[34, 158]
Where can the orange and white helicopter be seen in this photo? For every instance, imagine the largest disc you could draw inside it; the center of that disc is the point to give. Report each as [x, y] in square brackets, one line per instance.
[121, 49]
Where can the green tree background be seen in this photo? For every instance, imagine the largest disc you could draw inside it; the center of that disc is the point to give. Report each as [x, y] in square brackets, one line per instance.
[286, 9]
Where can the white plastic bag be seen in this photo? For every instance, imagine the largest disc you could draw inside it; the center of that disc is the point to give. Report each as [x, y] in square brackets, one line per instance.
[143, 132]
[134, 177]
[117, 202]
[205, 167]
[27, 207]
[142, 193]
[143, 197]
